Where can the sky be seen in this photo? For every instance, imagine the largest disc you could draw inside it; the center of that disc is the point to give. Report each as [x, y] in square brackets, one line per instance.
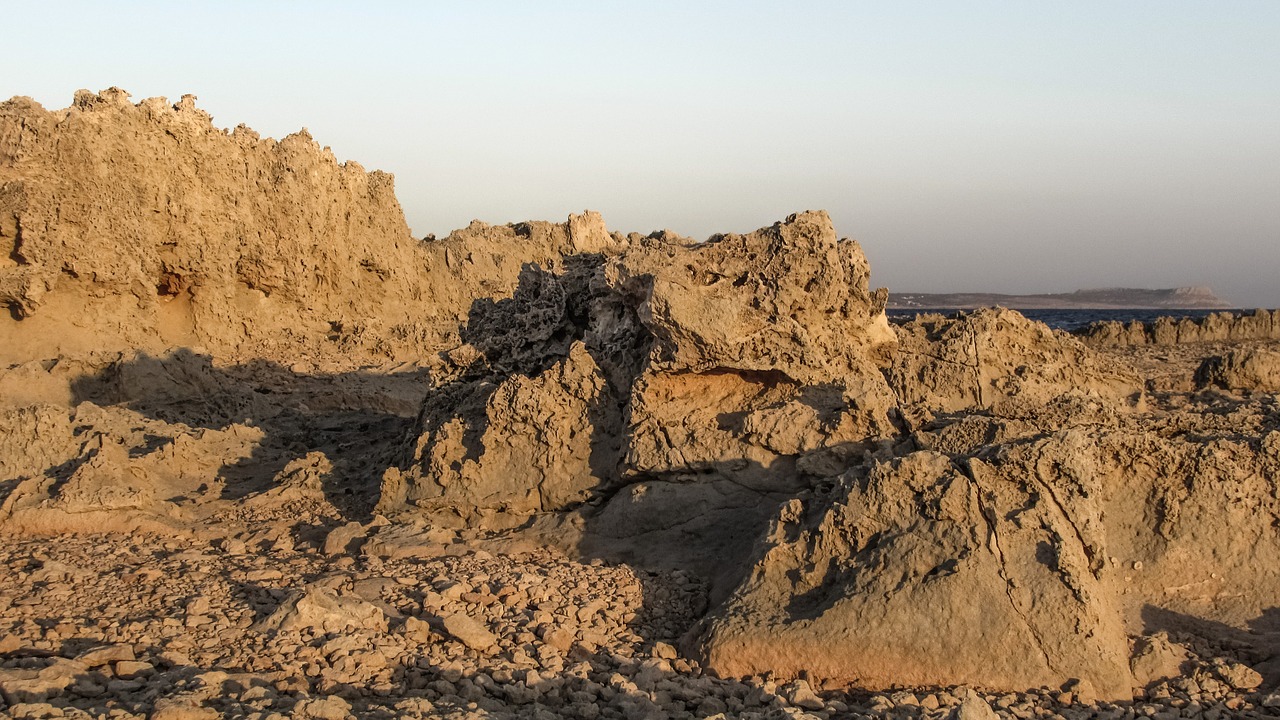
[980, 146]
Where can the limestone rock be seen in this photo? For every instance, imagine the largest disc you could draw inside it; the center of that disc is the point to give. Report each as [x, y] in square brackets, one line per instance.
[105, 654]
[924, 573]
[22, 686]
[182, 709]
[330, 707]
[469, 631]
[324, 610]
[973, 707]
[1246, 370]
[976, 360]
[340, 539]
[523, 445]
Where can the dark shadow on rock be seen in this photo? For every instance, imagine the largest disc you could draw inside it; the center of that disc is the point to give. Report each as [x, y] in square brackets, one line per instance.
[1256, 645]
[357, 419]
[530, 333]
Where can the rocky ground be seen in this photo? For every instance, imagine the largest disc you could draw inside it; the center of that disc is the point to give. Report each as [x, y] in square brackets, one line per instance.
[282, 620]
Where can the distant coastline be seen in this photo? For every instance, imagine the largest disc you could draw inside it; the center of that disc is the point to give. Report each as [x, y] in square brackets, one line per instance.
[1185, 298]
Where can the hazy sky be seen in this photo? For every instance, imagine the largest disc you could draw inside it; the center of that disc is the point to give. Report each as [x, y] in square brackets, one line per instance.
[1003, 146]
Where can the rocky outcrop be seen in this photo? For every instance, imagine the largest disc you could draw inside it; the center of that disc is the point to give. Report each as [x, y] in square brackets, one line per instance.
[144, 227]
[1244, 370]
[973, 500]
[702, 377]
[1215, 327]
[975, 361]
[1049, 546]
[928, 573]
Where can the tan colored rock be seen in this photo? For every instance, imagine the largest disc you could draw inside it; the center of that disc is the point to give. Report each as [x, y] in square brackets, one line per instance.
[1242, 370]
[1155, 658]
[524, 445]
[340, 539]
[105, 654]
[216, 225]
[25, 686]
[324, 610]
[977, 360]
[1214, 327]
[469, 631]
[132, 669]
[182, 709]
[923, 573]
[973, 707]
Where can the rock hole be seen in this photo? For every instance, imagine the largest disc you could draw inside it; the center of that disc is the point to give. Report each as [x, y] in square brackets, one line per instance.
[170, 285]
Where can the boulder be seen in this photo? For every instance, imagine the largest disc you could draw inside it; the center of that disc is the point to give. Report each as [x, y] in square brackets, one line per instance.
[926, 573]
[1250, 369]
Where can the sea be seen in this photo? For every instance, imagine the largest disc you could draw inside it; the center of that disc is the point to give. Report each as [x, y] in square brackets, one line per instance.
[1075, 319]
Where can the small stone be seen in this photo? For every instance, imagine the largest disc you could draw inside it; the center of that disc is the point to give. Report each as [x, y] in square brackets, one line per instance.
[973, 707]
[342, 539]
[559, 638]
[803, 696]
[665, 651]
[1239, 676]
[130, 669]
[331, 707]
[198, 605]
[469, 631]
[9, 643]
[182, 709]
[105, 655]
[417, 630]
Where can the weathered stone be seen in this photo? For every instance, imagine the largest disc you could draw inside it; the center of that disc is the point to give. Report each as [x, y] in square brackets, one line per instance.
[27, 686]
[469, 631]
[322, 609]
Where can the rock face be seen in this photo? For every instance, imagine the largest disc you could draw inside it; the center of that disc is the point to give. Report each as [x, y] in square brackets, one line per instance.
[918, 572]
[163, 230]
[1051, 544]
[995, 356]
[702, 378]
[143, 227]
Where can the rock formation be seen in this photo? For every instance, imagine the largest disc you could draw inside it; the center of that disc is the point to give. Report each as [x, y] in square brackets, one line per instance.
[513, 468]
[1214, 327]
[127, 227]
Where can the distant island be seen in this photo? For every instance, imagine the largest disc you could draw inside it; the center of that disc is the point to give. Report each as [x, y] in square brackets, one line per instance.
[1184, 298]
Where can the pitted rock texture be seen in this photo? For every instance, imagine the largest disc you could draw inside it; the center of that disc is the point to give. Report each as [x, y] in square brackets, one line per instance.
[163, 230]
[1244, 370]
[979, 359]
[143, 226]
[691, 376]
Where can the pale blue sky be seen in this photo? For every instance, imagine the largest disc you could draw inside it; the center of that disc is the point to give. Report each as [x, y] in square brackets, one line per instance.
[1003, 146]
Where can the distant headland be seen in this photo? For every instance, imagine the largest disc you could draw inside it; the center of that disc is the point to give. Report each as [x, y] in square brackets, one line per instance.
[1184, 298]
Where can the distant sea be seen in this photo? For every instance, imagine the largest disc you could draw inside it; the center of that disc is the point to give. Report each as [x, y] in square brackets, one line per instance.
[1074, 319]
